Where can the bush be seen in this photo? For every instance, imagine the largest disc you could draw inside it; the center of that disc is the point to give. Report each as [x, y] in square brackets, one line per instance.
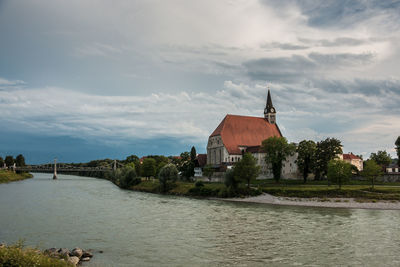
[199, 184]
[230, 180]
[204, 191]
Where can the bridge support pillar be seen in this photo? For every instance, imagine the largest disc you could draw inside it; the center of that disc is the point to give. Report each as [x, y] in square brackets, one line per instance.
[55, 169]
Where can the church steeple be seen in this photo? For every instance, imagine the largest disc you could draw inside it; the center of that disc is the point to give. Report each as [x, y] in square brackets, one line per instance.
[269, 111]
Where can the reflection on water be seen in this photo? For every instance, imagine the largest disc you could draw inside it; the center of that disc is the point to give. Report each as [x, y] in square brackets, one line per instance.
[142, 229]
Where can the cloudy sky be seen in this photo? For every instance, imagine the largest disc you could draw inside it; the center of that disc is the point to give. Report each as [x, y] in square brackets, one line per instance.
[82, 80]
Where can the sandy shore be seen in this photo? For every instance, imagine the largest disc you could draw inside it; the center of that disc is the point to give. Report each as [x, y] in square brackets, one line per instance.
[348, 203]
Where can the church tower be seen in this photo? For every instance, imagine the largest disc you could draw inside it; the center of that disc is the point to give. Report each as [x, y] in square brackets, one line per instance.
[269, 111]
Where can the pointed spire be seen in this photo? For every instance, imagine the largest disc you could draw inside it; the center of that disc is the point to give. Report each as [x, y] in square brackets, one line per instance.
[269, 100]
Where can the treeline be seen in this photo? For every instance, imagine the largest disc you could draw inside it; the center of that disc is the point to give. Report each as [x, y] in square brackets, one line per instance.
[9, 161]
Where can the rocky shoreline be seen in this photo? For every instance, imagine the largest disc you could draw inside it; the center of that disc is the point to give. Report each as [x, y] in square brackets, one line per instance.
[75, 256]
[347, 203]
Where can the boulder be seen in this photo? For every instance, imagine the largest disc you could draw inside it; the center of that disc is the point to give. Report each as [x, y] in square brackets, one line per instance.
[87, 254]
[74, 260]
[52, 252]
[85, 259]
[77, 252]
[64, 252]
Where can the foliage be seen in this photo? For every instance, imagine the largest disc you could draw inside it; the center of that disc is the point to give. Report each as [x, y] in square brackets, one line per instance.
[149, 167]
[397, 143]
[1, 162]
[9, 160]
[306, 157]
[193, 154]
[230, 180]
[246, 169]
[381, 157]
[10, 176]
[126, 176]
[199, 184]
[371, 171]
[17, 255]
[208, 171]
[20, 160]
[277, 150]
[168, 174]
[339, 171]
[186, 167]
[159, 167]
[326, 151]
[135, 160]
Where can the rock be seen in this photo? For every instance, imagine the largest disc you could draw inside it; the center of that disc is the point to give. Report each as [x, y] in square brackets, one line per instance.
[74, 260]
[64, 252]
[85, 259]
[77, 252]
[52, 252]
[87, 254]
[2, 245]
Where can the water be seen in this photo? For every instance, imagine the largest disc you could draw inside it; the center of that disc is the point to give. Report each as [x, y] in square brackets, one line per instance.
[139, 229]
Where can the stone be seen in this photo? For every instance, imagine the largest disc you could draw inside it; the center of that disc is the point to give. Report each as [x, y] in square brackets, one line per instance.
[74, 260]
[52, 252]
[76, 252]
[2, 245]
[87, 254]
[64, 252]
[85, 259]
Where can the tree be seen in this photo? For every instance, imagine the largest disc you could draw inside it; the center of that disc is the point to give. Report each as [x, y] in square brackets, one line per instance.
[306, 156]
[277, 150]
[326, 150]
[127, 176]
[397, 143]
[20, 160]
[193, 154]
[246, 169]
[230, 180]
[131, 158]
[159, 166]
[382, 158]
[1, 162]
[149, 167]
[168, 174]
[208, 171]
[339, 171]
[371, 171]
[9, 160]
[187, 166]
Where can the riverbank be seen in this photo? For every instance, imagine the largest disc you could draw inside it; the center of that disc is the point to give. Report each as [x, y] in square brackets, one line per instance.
[9, 176]
[348, 203]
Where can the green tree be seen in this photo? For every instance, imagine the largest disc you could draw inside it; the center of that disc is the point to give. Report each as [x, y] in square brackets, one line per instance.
[339, 171]
[187, 166]
[326, 150]
[168, 174]
[306, 156]
[20, 160]
[382, 158]
[371, 171]
[9, 160]
[149, 167]
[397, 143]
[208, 171]
[193, 154]
[277, 150]
[127, 176]
[230, 180]
[246, 169]
[131, 158]
[1, 162]
[159, 166]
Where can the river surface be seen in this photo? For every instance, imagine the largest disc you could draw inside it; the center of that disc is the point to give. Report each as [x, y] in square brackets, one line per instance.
[140, 229]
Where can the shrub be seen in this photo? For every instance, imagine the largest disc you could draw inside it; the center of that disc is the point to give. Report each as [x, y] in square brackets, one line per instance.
[167, 176]
[199, 184]
[230, 179]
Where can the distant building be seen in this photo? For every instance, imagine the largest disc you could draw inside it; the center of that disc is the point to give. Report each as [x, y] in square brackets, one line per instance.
[353, 159]
[199, 163]
[393, 168]
[236, 135]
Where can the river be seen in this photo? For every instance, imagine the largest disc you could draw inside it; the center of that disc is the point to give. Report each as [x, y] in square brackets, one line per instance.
[140, 229]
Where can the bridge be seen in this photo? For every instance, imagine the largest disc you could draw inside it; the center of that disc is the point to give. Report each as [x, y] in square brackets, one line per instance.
[66, 168]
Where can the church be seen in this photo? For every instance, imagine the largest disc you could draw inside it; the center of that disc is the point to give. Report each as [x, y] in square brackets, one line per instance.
[236, 135]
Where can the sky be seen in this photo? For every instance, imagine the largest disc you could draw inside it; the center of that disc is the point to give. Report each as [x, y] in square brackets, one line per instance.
[83, 80]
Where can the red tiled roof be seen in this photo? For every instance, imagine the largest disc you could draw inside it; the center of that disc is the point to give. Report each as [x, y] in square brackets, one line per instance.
[246, 131]
[350, 156]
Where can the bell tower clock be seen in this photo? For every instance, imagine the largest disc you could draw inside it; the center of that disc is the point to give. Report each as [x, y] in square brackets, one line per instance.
[269, 111]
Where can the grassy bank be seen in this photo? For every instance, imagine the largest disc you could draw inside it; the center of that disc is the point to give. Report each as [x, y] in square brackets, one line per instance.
[17, 255]
[9, 176]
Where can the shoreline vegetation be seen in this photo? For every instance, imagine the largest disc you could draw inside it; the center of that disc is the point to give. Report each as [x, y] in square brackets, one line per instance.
[10, 176]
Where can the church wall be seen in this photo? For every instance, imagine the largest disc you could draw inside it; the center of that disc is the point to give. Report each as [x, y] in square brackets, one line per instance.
[216, 151]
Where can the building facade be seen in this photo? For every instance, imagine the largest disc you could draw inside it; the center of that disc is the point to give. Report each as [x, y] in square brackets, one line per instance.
[353, 160]
[236, 135]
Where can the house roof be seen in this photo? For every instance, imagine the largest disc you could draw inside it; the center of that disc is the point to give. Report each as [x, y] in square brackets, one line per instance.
[201, 160]
[350, 156]
[244, 131]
